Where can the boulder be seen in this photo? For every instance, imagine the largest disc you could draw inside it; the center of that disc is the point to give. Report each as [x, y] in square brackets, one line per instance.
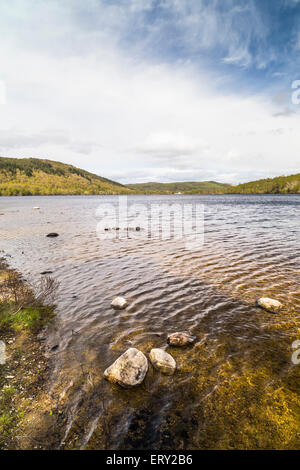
[162, 361]
[52, 235]
[270, 305]
[128, 370]
[180, 339]
[119, 302]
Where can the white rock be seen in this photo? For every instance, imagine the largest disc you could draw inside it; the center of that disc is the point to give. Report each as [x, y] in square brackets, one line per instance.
[162, 361]
[269, 304]
[129, 369]
[119, 302]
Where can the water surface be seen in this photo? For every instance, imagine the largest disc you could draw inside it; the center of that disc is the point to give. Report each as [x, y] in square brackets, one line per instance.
[236, 387]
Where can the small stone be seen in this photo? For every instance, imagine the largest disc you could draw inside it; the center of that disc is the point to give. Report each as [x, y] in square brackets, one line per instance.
[138, 229]
[119, 302]
[36, 208]
[273, 306]
[52, 235]
[162, 361]
[129, 370]
[180, 339]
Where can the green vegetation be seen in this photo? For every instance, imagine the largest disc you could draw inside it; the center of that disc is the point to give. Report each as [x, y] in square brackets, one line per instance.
[278, 185]
[32, 176]
[22, 315]
[36, 177]
[203, 187]
[28, 318]
[7, 418]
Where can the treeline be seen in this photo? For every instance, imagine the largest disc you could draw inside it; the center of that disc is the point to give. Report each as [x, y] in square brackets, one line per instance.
[32, 176]
[202, 187]
[279, 185]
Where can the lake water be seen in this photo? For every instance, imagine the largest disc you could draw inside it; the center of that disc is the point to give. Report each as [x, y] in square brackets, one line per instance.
[236, 387]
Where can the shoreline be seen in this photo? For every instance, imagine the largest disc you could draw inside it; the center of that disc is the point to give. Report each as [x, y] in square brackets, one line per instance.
[258, 375]
[153, 194]
[26, 370]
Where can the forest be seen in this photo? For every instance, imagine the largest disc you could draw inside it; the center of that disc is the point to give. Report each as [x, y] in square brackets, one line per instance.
[33, 176]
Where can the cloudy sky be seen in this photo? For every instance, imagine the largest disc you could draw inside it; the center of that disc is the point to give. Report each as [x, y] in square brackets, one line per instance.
[153, 90]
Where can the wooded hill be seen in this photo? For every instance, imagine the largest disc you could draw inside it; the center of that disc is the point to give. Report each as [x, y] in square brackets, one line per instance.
[202, 187]
[278, 185]
[33, 176]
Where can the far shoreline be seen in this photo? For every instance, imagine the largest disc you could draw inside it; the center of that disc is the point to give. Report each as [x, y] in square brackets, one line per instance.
[148, 194]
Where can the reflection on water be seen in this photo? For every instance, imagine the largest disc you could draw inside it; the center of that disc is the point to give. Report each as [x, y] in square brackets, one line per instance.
[236, 387]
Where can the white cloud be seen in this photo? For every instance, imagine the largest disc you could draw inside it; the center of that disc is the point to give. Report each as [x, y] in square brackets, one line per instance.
[76, 96]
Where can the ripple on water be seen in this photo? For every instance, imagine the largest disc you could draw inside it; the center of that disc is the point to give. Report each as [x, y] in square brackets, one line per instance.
[251, 249]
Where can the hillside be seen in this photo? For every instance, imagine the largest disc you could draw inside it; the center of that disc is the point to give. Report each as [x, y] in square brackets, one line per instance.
[32, 176]
[204, 187]
[278, 185]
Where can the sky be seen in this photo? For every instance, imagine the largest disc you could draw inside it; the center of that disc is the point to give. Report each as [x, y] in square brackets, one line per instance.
[153, 90]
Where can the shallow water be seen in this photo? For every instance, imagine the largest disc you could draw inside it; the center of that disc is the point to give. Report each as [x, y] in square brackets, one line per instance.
[236, 387]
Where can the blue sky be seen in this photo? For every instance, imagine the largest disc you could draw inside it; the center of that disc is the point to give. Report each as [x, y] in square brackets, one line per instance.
[153, 90]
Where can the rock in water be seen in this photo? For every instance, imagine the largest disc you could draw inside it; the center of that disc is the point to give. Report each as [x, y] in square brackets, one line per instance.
[180, 339]
[119, 302]
[129, 369]
[52, 235]
[162, 361]
[270, 305]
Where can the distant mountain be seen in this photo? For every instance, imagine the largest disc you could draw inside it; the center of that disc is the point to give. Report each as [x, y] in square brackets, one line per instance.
[33, 176]
[202, 187]
[278, 185]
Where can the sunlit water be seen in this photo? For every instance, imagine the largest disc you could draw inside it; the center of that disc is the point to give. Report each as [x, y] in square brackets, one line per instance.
[251, 249]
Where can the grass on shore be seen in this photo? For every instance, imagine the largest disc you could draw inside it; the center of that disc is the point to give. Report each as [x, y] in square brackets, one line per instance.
[20, 321]
[30, 319]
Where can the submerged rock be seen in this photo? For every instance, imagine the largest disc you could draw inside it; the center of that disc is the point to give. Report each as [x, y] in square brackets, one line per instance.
[180, 339]
[119, 302]
[270, 305]
[129, 369]
[162, 361]
[52, 235]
